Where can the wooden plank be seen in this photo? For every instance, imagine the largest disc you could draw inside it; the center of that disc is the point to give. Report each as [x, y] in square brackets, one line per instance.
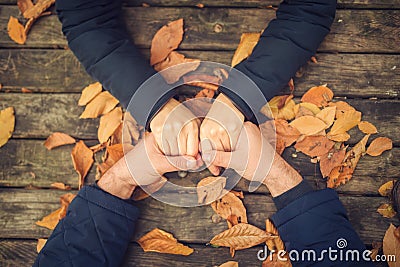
[354, 75]
[353, 30]
[21, 208]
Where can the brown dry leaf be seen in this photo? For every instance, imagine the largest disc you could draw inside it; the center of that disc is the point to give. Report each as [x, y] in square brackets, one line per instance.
[386, 210]
[82, 158]
[26, 90]
[50, 221]
[16, 31]
[319, 95]
[37, 10]
[308, 125]
[108, 124]
[391, 245]
[203, 78]
[247, 43]
[24, 5]
[286, 132]
[367, 127]
[60, 186]
[210, 189]
[348, 120]
[131, 131]
[160, 241]
[281, 107]
[230, 264]
[140, 194]
[112, 155]
[276, 243]
[7, 123]
[330, 160]
[385, 189]
[343, 137]
[379, 145]
[205, 93]
[173, 75]
[229, 205]
[291, 85]
[40, 244]
[314, 146]
[241, 236]
[65, 200]
[98, 147]
[303, 109]
[327, 115]
[90, 92]
[341, 108]
[58, 139]
[101, 104]
[165, 41]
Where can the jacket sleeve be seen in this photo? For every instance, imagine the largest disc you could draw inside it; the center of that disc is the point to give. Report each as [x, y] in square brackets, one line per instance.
[95, 232]
[286, 44]
[316, 222]
[97, 36]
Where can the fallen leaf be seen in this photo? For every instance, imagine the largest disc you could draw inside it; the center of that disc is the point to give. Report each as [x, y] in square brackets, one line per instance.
[229, 205]
[247, 43]
[367, 127]
[341, 108]
[65, 200]
[160, 241]
[303, 107]
[286, 132]
[58, 139]
[130, 130]
[276, 243]
[101, 104]
[82, 158]
[230, 264]
[282, 107]
[347, 121]
[273, 261]
[391, 245]
[24, 5]
[90, 92]
[16, 31]
[376, 246]
[379, 145]
[319, 95]
[40, 244]
[37, 10]
[330, 160]
[140, 194]
[112, 155]
[60, 186]
[204, 78]
[26, 90]
[50, 221]
[291, 85]
[241, 236]
[314, 60]
[165, 41]
[7, 123]
[385, 189]
[386, 210]
[98, 147]
[210, 189]
[314, 146]
[342, 137]
[327, 115]
[108, 124]
[308, 125]
[205, 93]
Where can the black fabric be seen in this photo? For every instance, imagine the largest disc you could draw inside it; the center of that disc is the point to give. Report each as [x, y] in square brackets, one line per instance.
[296, 192]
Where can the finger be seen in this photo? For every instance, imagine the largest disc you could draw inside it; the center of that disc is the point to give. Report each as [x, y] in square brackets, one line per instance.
[192, 146]
[182, 142]
[218, 158]
[206, 145]
[165, 149]
[224, 139]
[173, 146]
[215, 170]
[177, 163]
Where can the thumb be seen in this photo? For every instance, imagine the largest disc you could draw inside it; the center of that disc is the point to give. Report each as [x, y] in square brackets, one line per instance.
[178, 163]
[217, 158]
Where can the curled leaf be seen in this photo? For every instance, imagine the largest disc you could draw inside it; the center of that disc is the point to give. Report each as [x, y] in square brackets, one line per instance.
[367, 127]
[210, 189]
[108, 124]
[58, 139]
[247, 43]
[82, 158]
[60, 186]
[7, 123]
[229, 205]
[90, 92]
[101, 104]
[308, 125]
[319, 95]
[379, 145]
[37, 10]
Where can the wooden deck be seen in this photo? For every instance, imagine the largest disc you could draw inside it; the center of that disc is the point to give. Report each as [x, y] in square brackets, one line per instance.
[359, 60]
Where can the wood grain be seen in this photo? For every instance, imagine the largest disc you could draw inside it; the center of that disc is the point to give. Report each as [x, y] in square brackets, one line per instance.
[353, 30]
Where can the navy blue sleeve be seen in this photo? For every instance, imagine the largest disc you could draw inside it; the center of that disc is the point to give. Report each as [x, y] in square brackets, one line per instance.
[97, 36]
[317, 221]
[95, 232]
[286, 44]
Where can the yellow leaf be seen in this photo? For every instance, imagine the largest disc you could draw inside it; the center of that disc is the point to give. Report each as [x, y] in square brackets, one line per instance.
[308, 125]
[108, 124]
[82, 158]
[367, 127]
[40, 244]
[101, 104]
[247, 43]
[241, 236]
[210, 189]
[58, 139]
[379, 145]
[60, 186]
[386, 210]
[230, 264]
[342, 137]
[16, 31]
[319, 95]
[229, 205]
[308, 106]
[160, 241]
[90, 92]
[385, 189]
[327, 115]
[7, 123]
[349, 119]
[341, 108]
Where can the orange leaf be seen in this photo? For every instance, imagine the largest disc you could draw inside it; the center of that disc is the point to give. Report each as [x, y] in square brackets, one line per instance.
[101, 104]
[319, 95]
[314, 146]
[50, 221]
[241, 236]
[385, 189]
[286, 132]
[165, 41]
[58, 139]
[391, 245]
[330, 160]
[173, 75]
[205, 93]
[7, 123]
[230, 264]
[24, 5]
[367, 127]
[308, 125]
[306, 108]
[229, 205]
[327, 115]
[108, 124]
[82, 158]
[210, 189]
[247, 43]
[16, 31]
[160, 241]
[379, 145]
[37, 10]
[60, 186]
[386, 210]
[349, 119]
[341, 108]
[140, 193]
[26, 90]
[131, 131]
[195, 78]
[90, 92]
[40, 244]
[342, 137]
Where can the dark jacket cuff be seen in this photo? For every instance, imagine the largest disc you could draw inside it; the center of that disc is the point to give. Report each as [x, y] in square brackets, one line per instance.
[296, 192]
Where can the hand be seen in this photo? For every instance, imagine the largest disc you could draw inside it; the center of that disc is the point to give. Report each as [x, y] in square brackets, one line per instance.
[176, 130]
[147, 164]
[256, 160]
[221, 128]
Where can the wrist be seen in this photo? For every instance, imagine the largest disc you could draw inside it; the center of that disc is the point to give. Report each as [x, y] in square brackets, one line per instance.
[115, 186]
[225, 100]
